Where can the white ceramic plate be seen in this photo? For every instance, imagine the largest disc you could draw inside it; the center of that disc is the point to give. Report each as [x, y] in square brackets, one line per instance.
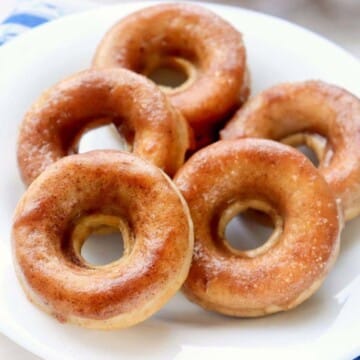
[325, 327]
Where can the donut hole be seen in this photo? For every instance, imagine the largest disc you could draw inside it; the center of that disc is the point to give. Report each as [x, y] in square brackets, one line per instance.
[168, 76]
[313, 146]
[309, 153]
[99, 240]
[170, 73]
[249, 230]
[103, 137]
[102, 249]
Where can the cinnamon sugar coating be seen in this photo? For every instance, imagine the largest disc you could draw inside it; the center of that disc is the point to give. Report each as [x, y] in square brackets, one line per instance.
[310, 109]
[94, 191]
[231, 176]
[209, 50]
[53, 125]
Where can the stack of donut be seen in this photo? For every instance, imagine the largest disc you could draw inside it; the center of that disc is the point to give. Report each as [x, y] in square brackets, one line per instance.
[171, 208]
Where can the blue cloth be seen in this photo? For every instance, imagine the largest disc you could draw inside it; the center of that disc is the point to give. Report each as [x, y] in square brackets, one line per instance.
[30, 13]
[26, 15]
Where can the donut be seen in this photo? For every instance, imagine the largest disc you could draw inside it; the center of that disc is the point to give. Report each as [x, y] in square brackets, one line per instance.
[208, 135]
[193, 40]
[84, 193]
[231, 176]
[324, 117]
[52, 127]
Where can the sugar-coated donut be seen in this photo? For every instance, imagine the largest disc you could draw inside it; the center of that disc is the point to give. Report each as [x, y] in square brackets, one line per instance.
[228, 177]
[52, 127]
[90, 192]
[192, 39]
[322, 116]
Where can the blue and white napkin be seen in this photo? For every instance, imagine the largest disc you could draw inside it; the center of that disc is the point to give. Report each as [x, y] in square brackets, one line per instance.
[31, 13]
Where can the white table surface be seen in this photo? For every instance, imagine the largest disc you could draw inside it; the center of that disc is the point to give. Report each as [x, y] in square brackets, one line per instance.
[345, 31]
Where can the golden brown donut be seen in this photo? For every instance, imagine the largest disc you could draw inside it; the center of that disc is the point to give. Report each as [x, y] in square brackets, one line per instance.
[228, 177]
[209, 134]
[189, 38]
[51, 129]
[322, 116]
[81, 194]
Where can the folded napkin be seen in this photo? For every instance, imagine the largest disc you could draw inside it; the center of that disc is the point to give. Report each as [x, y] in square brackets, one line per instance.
[30, 13]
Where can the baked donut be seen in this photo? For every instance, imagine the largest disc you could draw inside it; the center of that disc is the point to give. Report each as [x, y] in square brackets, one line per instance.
[193, 40]
[229, 177]
[98, 190]
[322, 116]
[52, 127]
